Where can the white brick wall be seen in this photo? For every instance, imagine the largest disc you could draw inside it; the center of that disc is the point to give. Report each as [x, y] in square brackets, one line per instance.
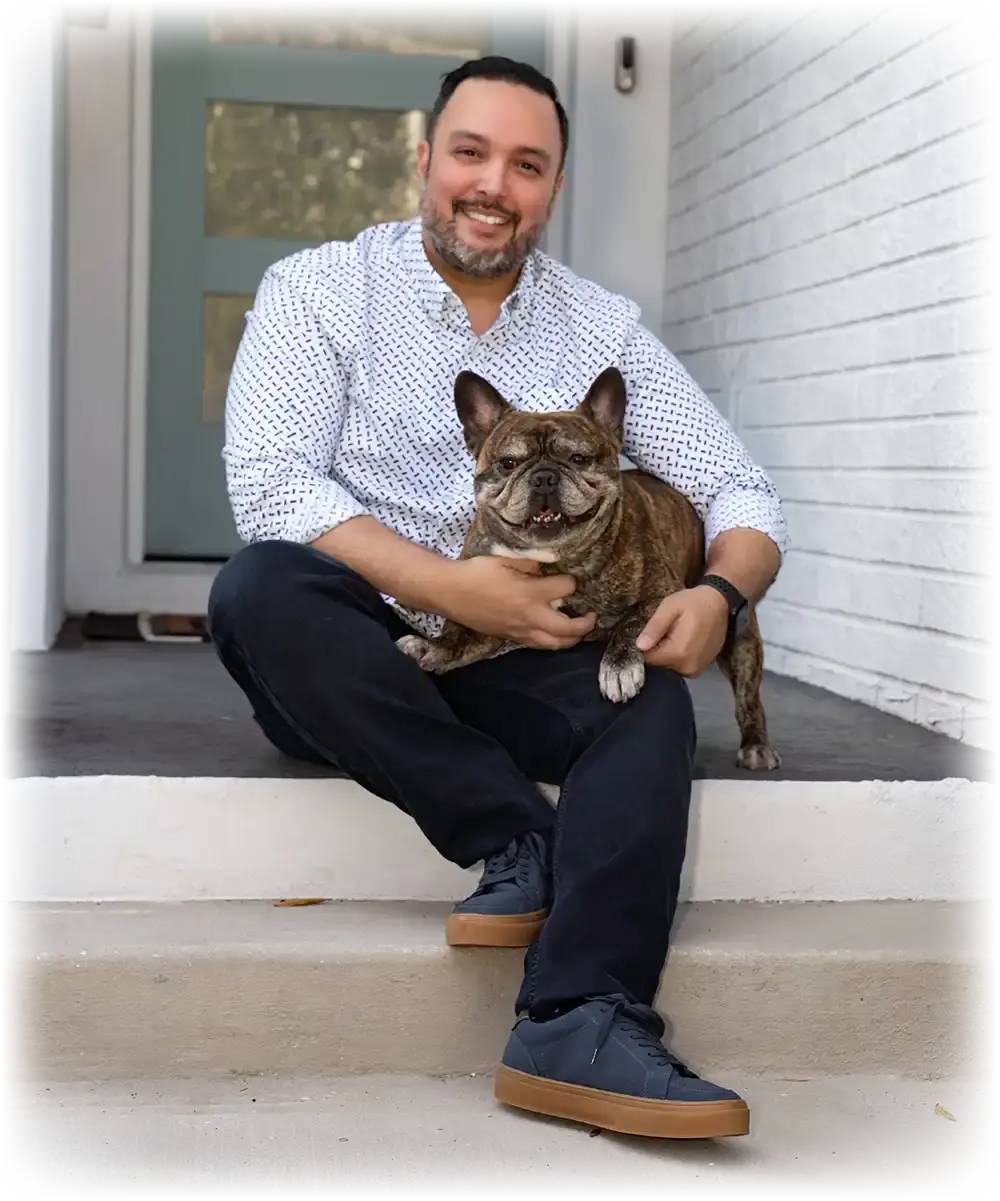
[827, 284]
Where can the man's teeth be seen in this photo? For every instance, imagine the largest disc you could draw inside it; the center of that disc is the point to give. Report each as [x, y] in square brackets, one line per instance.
[485, 218]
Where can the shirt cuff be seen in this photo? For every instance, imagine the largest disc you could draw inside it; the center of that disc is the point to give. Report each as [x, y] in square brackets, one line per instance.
[329, 507]
[747, 510]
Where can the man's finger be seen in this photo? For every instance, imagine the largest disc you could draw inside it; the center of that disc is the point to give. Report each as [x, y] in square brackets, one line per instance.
[525, 566]
[658, 625]
[558, 586]
[550, 642]
[560, 626]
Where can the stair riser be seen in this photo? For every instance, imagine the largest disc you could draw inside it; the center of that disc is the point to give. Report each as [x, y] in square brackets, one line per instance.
[443, 1012]
[174, 839]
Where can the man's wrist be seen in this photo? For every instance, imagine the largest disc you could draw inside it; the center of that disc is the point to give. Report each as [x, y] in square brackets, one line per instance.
[720, 601]
[441, 585]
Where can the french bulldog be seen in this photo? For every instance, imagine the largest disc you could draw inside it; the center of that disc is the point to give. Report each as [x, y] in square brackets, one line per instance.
[549, 487]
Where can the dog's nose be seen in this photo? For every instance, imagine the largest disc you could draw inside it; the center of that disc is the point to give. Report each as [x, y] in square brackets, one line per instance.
[544, 479]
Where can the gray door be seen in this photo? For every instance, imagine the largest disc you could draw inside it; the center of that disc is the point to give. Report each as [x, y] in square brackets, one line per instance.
[266, 138]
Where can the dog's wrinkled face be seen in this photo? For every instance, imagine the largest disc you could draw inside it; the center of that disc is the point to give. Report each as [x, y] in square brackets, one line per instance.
[547, 481]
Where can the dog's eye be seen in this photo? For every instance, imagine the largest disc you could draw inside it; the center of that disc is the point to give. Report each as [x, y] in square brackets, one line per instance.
[507, 464]
[580, 460]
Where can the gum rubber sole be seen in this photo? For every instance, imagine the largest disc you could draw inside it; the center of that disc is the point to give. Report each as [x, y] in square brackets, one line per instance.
[489, 930]
[619, 1112]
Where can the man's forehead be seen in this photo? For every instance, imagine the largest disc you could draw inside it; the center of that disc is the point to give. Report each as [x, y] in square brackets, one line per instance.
[488, 107]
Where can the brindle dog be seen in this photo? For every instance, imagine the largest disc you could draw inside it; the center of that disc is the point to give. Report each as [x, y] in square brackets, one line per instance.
[549, 487]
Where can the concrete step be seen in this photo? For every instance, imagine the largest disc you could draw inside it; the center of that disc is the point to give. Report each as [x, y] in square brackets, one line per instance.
[210, 990]
[867, 1135]
[155, 838]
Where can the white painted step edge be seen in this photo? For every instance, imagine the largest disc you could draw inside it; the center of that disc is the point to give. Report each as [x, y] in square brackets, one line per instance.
[151, 838]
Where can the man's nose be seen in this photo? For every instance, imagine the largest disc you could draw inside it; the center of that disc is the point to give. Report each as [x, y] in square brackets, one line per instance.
[491, 179]
[543, 479]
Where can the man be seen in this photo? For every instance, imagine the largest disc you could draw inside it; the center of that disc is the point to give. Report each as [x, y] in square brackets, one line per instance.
[349, 477]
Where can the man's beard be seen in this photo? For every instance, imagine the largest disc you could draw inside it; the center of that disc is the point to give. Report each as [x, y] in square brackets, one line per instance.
[442, 235]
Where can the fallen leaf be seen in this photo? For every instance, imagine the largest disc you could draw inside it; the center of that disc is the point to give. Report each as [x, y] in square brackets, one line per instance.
[945, 1114]
[287, 902]
[341, 1140]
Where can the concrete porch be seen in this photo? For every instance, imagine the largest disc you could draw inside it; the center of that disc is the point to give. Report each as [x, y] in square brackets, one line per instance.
[122, 708]
[826, 958]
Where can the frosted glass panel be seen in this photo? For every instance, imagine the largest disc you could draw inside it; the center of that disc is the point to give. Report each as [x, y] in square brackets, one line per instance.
[224, 318]
[402, 34]
[281, 171]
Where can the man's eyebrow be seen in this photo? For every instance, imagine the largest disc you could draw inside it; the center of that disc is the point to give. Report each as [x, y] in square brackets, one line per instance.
[466, 135]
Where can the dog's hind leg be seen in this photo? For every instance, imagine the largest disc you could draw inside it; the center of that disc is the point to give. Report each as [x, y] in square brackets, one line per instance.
[742, 663]
[456, 647]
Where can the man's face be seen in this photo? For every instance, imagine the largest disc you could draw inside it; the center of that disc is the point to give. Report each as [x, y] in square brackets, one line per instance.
[490, 186]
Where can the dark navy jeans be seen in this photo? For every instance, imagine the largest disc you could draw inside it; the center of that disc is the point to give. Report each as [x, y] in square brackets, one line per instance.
[312, 645]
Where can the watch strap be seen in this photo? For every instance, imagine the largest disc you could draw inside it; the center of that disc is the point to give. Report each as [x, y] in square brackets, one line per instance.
[734, 598]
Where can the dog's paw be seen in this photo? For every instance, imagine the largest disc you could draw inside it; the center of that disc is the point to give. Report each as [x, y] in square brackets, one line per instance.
[621, 680]
[420, 650]
[758, 757]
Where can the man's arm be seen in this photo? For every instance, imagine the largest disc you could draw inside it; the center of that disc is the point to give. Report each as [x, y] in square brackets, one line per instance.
[673, 431]
[285, 407]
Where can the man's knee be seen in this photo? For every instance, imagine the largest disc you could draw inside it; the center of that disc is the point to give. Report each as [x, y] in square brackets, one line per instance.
[666, 699]
[261, 580]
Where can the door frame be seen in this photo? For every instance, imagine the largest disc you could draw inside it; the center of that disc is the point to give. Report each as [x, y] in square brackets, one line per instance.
[107, 277]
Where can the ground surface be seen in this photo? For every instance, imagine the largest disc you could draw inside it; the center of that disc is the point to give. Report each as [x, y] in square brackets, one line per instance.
[408, 1137]
[171, 710]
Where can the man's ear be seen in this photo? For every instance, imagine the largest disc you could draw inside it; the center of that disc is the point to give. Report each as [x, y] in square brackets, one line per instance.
[604, 404]
[423, 160]
[480, 408]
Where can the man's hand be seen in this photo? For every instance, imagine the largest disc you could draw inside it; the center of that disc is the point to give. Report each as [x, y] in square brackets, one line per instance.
[687, 631]
[511, 599]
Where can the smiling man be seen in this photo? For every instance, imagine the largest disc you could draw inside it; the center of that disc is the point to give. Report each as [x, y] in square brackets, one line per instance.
[349, 477]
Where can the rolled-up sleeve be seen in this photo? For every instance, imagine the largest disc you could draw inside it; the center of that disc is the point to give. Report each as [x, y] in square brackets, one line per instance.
[673, 431]
[285, 410]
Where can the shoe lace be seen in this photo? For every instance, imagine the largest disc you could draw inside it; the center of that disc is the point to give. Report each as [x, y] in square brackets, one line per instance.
[644, 1026]
[501, 867]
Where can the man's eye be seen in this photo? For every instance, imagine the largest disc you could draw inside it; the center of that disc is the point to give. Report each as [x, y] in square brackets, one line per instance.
[467, 150]
[507, 464]
[530, 167]
[580, 460]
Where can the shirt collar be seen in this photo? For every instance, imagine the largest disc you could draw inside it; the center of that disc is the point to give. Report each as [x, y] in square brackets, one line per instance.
[434, 293]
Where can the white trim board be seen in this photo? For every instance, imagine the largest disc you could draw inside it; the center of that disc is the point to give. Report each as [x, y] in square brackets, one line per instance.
[37, 197]
[6, 346]
[149, 838]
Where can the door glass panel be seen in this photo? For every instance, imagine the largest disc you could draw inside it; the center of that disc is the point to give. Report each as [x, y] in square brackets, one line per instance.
[223, 320]
[395, 35]
[283, 171]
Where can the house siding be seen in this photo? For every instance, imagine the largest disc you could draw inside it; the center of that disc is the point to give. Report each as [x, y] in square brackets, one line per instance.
[827, 284]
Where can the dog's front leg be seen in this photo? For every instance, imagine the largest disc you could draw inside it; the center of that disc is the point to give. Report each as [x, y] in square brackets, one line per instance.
[623, 666]
[456, 646]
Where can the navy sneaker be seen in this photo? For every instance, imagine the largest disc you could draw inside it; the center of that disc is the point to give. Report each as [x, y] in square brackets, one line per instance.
[603, 1063]
[512, 900]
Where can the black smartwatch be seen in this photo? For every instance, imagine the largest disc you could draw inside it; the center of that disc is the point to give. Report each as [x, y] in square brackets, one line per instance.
[739, 608]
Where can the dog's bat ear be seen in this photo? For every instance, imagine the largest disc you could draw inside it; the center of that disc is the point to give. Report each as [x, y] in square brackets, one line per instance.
[604, 404]
[480, 408]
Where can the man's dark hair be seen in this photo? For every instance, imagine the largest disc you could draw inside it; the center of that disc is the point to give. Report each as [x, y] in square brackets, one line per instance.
[503, 70]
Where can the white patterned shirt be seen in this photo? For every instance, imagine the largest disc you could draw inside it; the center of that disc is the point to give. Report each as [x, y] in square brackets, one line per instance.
[341, 401]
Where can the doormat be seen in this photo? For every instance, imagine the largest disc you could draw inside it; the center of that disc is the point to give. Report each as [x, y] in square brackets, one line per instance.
[143, 627]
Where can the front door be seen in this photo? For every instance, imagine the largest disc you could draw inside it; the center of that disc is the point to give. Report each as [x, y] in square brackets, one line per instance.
[268, 136]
